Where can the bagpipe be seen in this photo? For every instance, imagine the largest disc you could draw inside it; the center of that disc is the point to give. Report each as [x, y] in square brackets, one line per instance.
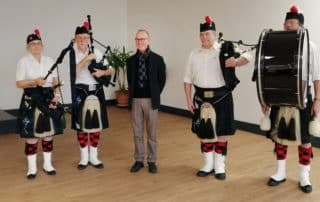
[48, 120]
[230, 49]
[104, 80]
[204, 118]
[43, 95]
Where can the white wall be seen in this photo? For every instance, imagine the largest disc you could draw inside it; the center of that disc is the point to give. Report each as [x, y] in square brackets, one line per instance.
[174, 28]
[57, 21]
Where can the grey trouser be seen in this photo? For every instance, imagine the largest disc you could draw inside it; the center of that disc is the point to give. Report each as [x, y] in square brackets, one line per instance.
[142, 111]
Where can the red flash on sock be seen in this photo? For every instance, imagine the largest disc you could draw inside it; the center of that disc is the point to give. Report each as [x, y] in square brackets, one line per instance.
[94, 139]
[281, 151]
[207, 147]
[221, 147]
[47, 146]
[305, 155]
[83, 139]
[31, 149]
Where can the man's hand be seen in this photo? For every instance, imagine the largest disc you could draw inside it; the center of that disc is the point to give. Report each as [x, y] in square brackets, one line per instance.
[191, 107]
[99, 73]
[90, 57]
[265, 110]
[54, 102]
[231, 62]
[315, 108]
[40, 81]
[109, 71]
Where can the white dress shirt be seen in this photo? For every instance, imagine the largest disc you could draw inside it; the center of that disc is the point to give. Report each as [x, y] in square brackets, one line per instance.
[29, 68]
[314, 63]
[203, 67]
[84, 76]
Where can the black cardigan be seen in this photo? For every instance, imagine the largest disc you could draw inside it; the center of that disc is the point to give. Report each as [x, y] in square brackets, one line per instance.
[157, 75]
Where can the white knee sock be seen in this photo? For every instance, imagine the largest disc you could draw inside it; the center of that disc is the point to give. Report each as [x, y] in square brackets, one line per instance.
[84, 155]
[32, 164]
[281, 170]
[47, 162]
[219, 162]
[93, 158]
[304, 175]
[208, 162]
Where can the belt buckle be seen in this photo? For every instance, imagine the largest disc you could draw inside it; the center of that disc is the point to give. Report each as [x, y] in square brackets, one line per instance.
[92, 87]
[26, 97]
[208, 94]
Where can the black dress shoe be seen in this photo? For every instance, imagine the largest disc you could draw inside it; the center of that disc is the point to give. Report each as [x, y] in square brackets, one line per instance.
[272, 182]
[82, 167]
[202, 173]
[152, 167]
[31, 176]
[53, 172]
[306, 189]
[98, 166]
[220, 176]
[136, 166]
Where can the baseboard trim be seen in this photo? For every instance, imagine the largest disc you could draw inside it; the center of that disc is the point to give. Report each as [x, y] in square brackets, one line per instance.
[10, 126]
[249, 127]
[7, 127]
[176, 111]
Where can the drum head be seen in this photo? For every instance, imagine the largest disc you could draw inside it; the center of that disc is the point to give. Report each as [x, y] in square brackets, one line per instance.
[282, 68]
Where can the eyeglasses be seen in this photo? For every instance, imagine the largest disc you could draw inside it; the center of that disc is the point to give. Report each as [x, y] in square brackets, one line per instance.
[140, 39]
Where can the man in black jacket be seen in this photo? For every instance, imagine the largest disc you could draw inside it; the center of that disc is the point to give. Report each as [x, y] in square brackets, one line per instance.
[146, 74]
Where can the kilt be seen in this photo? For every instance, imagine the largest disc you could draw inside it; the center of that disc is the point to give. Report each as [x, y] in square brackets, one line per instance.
[305, 118]
[82, 91]
[222, 102]
[33, 98]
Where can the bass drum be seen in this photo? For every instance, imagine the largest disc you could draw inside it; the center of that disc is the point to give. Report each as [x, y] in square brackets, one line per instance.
[282, 68]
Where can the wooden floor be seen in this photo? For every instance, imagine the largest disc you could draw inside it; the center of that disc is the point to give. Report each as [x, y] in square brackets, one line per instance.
[249, 163]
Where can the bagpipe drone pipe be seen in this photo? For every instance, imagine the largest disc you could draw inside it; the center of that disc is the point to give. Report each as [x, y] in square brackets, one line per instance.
[104, 80]
[43, 95]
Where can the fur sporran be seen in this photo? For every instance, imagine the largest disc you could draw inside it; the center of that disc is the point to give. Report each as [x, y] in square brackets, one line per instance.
[91, 115]
[43, 125]
[204, 122]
